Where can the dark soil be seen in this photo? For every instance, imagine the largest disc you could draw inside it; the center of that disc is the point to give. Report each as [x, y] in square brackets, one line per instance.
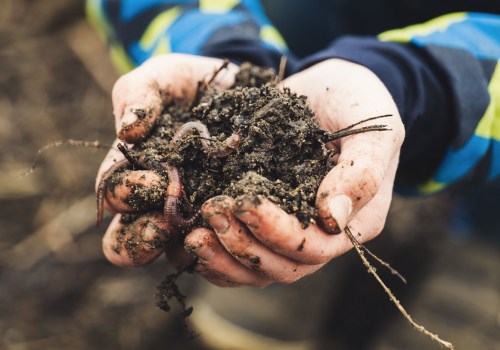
[281, 154]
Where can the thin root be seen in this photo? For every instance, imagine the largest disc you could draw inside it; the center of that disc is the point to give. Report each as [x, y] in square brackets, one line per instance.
[332, 136]
[382, 262]
[208, 82]
[281, 70]
[203, 85]
[70, 142]
[396, 302]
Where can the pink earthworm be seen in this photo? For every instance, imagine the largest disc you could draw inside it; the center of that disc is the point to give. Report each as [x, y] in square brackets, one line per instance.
[229, 145]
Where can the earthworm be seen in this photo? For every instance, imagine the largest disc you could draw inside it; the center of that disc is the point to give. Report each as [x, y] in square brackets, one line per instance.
[230, 144]
[171, 210]
[103, 184]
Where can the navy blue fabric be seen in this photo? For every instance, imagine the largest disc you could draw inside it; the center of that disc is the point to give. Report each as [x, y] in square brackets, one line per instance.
[419, 89]
[250, 51]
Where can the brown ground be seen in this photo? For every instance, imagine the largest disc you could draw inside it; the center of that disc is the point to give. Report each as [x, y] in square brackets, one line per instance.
[57, 291]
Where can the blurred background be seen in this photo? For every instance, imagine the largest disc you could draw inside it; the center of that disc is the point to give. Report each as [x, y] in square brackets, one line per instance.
[58, 292]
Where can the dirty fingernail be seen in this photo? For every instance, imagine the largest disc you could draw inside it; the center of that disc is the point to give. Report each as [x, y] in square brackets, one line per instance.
[220, 223]
[251, 220]
[128, 118]
[206, 253]
[340, 209]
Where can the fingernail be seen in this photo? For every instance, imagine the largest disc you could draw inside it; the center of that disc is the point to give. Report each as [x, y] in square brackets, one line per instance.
[251, 220]
[128, 118]
[220, 223]
[206, 253]
[340, 209]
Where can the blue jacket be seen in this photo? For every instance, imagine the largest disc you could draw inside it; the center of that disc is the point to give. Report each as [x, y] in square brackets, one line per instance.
[443, 74]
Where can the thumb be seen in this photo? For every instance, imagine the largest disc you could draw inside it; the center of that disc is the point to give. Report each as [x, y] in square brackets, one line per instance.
[137, 104]
[350, 186]
[139, 96]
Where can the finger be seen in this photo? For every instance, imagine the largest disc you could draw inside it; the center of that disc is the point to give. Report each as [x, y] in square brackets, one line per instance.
[342, 93]
[177, 256]
[215, 278]
[139, 96]
[137, 243]
[249, 251]
[214, 260]
[349, 186]
[135, 191]
[370, 220]
[361, 167]
[284, 234]
[112, 157]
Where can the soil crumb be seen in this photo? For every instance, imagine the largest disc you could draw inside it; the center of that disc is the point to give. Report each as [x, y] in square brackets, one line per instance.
[280, 153]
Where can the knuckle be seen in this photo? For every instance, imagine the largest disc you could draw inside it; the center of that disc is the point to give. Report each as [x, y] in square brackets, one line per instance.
[371, 179]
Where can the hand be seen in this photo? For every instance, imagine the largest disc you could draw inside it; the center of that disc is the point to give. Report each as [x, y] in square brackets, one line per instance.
[138, 99]
[260, 244]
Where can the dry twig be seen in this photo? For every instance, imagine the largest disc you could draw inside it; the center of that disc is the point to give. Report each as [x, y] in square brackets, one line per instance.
[70, 142]
[358, 247]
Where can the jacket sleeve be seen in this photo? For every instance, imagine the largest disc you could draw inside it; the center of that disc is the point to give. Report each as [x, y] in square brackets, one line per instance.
[444, 75]
[233, 29]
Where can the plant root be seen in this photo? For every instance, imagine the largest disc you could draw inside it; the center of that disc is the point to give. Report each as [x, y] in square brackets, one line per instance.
[382, 262]
[359, 250]
[281, 69]
[329, 136]
[55, 144]
[205, 84]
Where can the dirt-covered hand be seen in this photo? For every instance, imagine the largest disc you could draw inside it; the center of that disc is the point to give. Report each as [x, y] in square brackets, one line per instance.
[257, 243]
[358, 190]
[138, 99]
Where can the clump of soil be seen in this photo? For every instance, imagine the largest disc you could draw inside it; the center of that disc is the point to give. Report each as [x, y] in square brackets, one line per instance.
[281, 153]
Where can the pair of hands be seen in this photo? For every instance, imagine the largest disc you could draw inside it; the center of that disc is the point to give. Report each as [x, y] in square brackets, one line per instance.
[258, 244]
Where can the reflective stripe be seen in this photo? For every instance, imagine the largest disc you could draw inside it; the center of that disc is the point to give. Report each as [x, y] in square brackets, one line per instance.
[404, 35]
[120, 59]
[271, 36]
[431, 187]
[158, 27]
[97, 18]
[217, 6]
[163, 46]
[489, 126]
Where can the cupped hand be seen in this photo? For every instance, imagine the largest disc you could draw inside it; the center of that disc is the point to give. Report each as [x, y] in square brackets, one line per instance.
[258, 243]
[138, 99]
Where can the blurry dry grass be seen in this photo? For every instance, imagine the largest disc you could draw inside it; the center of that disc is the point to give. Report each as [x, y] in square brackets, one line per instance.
[58, 292]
